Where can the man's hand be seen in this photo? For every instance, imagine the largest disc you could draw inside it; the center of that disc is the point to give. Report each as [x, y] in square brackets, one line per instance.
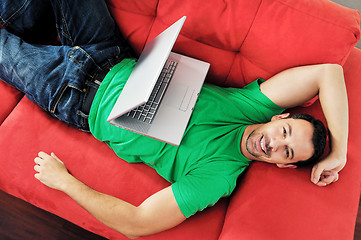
[51, 171]
[326, 171]
[157, 213]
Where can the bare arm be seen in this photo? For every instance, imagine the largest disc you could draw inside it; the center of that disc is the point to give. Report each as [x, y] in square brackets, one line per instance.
[295, 86]
[157, 213]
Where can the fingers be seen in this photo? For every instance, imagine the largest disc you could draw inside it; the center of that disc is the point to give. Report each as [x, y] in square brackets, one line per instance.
[37, 176]
[38, 160]
[322, 177]
[316, 174]
[325, 180]
[327, 177]
[55, 157]
[43, 159]
[37, 168]
[43, 155]
[336, 179]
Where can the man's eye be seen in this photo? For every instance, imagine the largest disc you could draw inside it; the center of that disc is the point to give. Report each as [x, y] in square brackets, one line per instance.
[284, 132]
[287, 153]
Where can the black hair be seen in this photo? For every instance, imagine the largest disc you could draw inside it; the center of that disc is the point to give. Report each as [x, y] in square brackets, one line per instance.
[319, 139]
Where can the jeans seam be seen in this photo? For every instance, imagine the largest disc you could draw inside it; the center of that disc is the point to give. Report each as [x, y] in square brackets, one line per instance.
[78, 63]
[63, 19]
[83, 100]
[13, 15]
[4, 21]
[58, 97]
[84, 120]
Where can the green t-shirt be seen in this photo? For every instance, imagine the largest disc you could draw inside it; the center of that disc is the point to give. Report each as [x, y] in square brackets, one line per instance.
[205, 166]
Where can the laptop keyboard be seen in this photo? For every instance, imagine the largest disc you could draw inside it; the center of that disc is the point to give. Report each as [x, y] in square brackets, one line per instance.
[147, 111]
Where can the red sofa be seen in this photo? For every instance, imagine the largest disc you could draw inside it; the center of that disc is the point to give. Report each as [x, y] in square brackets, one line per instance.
[243, 40]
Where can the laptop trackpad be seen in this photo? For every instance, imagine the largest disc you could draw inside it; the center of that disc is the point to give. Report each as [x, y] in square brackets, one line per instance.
[180, 96]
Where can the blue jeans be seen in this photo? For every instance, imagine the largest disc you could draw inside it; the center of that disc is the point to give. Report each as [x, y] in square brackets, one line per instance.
[55, 77]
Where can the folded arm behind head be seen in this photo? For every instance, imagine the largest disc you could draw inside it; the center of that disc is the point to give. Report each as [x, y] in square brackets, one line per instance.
[296, 86]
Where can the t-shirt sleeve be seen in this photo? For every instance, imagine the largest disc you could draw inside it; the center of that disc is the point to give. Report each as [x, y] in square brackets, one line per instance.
[194, 194]
[202, 188]
[256, 106]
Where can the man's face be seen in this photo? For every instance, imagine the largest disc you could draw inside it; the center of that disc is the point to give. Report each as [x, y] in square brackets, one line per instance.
[281, 141]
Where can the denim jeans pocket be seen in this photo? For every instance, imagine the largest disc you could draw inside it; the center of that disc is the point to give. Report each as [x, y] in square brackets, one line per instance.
[66, 103]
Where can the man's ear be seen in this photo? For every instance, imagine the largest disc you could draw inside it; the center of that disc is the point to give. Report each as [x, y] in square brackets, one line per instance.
[284, 165]
[281, 116]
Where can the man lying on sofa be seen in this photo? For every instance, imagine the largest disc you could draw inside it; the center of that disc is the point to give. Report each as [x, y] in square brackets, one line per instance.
[229, 127]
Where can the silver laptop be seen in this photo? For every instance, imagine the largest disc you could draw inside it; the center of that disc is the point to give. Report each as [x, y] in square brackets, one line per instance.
[159, 96]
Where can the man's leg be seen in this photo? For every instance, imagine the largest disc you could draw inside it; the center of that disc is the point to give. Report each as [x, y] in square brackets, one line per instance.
[45, 74]
[84, 22]
[88, 24]
[55, 77]
[27, 18]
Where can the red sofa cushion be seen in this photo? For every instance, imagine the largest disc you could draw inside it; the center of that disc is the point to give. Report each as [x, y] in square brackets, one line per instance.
[28, 129]
[288, 33]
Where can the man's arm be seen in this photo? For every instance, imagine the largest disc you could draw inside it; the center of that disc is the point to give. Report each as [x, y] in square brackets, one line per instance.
[295, 86]
[157, 213]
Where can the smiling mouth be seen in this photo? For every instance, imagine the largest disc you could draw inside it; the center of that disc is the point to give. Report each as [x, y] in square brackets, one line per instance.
[261, 145]
[258, 146]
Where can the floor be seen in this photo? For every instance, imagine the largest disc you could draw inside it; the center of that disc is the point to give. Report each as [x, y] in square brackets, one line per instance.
[357, 234]
[21, 220]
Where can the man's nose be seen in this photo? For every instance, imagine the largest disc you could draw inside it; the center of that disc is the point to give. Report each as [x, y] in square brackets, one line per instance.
[276, 143]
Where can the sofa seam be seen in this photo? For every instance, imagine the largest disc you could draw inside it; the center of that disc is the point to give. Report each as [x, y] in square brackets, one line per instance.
[323, 19]
[252, 23]
[240, 47]
[346, 55]
[153, 20]
[12, 110]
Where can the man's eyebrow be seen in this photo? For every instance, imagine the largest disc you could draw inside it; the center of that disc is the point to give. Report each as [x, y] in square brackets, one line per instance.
[289, 129]
[290, 134]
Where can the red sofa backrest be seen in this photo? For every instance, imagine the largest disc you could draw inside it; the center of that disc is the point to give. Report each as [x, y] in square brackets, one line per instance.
[243, 39]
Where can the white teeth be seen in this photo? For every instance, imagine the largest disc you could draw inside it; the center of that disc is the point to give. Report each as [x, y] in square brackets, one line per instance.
[262, 145]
